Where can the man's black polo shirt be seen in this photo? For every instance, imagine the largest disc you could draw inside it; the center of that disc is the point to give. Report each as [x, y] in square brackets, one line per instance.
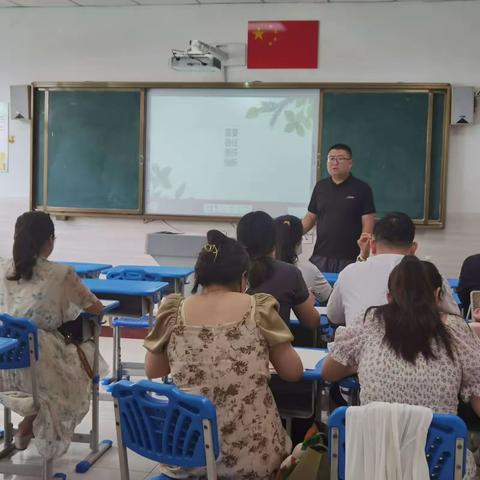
[339, 209]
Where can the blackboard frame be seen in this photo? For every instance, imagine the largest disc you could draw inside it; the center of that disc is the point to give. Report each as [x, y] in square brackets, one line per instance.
[322, 87]
[427, 219]
[74, 211]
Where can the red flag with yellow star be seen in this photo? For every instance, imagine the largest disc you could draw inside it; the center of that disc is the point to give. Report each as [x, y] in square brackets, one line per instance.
[283, 44]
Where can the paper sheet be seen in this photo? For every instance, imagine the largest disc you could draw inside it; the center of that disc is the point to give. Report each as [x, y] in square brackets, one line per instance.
[3, 137]
[309, 357]
[320, 310]
[107, 303]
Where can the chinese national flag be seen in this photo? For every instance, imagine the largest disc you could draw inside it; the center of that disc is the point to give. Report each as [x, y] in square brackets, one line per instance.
[283, 44]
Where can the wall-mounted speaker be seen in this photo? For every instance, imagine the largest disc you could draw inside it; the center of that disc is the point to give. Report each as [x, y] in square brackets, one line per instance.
[462, 105]
[20, 101]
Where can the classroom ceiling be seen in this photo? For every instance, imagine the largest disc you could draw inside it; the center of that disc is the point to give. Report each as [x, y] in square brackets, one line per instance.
[126, 3]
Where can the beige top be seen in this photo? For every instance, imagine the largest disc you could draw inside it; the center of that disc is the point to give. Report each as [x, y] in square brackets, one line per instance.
[229, 364]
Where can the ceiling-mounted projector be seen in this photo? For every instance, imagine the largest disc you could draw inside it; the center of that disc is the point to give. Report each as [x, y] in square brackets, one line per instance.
[199, 57]
[195, 62]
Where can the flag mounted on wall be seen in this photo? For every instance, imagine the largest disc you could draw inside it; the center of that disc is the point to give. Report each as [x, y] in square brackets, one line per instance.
[283, 44]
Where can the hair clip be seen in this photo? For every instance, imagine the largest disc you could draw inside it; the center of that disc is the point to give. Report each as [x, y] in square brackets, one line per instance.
[211, 248]
[286, 222]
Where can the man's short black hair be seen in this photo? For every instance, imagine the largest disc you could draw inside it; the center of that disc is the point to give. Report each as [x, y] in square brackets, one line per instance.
[341, 146]
[395, 229]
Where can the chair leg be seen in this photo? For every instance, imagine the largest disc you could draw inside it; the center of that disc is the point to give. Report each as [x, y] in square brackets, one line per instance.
[47, 472]
[122, 451]
[209, 451]
[8, 445]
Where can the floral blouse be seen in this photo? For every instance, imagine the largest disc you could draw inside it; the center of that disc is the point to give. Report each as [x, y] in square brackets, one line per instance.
[54, 295]
[229, 364]
[385, 377]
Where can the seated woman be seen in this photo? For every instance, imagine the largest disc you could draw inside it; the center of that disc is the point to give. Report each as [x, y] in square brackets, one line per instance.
[218, 343]
[475, 325]
[256, 231]
[289, 244]
[408, 351]
[49, 294]
[433, 275]
[469, 280]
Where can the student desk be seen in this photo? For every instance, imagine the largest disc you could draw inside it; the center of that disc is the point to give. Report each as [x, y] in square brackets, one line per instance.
[97, 449]
[306, 402]
[330, 277]
[321, 310]
[453, 282]
[325, 330]
[125, 291]
[145, 292]
[87, 270]
[175, 275]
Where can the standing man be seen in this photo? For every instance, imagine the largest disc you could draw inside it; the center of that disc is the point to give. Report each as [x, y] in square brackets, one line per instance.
[342, 207]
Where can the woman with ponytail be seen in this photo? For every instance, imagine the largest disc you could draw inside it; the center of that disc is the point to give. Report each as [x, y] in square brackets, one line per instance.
[218, 343]
[289, 231]
[256, 231]
[49, 294]
[408, 350]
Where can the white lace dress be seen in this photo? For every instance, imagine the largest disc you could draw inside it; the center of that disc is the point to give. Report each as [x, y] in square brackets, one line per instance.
[53, 296]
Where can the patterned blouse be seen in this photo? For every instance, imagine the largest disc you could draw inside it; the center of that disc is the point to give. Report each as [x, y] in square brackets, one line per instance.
[229, 364]
[385, 377]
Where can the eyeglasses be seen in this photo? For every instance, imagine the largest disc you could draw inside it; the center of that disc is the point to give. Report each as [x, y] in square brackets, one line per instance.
[337, 159]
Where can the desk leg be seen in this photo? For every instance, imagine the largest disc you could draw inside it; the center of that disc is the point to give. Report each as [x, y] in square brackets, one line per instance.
[147, 307]
[323, 404]
[178, 285]
[288, 425]
[97, 449]
[117, 355]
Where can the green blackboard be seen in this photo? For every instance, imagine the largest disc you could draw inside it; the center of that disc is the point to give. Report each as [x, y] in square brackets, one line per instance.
[93, 150]
[388, 133]
[88, 143]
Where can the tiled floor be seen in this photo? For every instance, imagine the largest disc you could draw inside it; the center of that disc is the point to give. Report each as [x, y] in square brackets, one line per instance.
[106, 468]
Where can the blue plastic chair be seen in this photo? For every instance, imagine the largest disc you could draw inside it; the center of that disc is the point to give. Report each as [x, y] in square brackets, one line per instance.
[134, 274]
[166, 425]
[19, 340]
[350, 386]
[445, 449]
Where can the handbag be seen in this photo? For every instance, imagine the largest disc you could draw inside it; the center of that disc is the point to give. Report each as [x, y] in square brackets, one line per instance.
[76, 332]
[312, 465]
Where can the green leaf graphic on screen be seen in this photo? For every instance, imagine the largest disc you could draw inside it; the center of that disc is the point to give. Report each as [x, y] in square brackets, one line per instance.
[298, 117]
[161, 182]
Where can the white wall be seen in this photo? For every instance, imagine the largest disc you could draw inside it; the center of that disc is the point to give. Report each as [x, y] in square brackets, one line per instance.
[408, 41]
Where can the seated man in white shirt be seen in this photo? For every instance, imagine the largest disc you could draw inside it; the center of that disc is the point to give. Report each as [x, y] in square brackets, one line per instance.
[364, 284]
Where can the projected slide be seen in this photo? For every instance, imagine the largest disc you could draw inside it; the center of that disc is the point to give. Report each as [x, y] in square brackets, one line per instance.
[226, 152]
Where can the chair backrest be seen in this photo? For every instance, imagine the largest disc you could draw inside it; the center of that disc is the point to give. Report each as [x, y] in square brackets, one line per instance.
[164, 424]
[21, 329]
[445, 448]
[134, 274]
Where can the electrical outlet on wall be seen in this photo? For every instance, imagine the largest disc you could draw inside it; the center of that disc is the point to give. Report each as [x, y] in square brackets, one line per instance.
[308, 238]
